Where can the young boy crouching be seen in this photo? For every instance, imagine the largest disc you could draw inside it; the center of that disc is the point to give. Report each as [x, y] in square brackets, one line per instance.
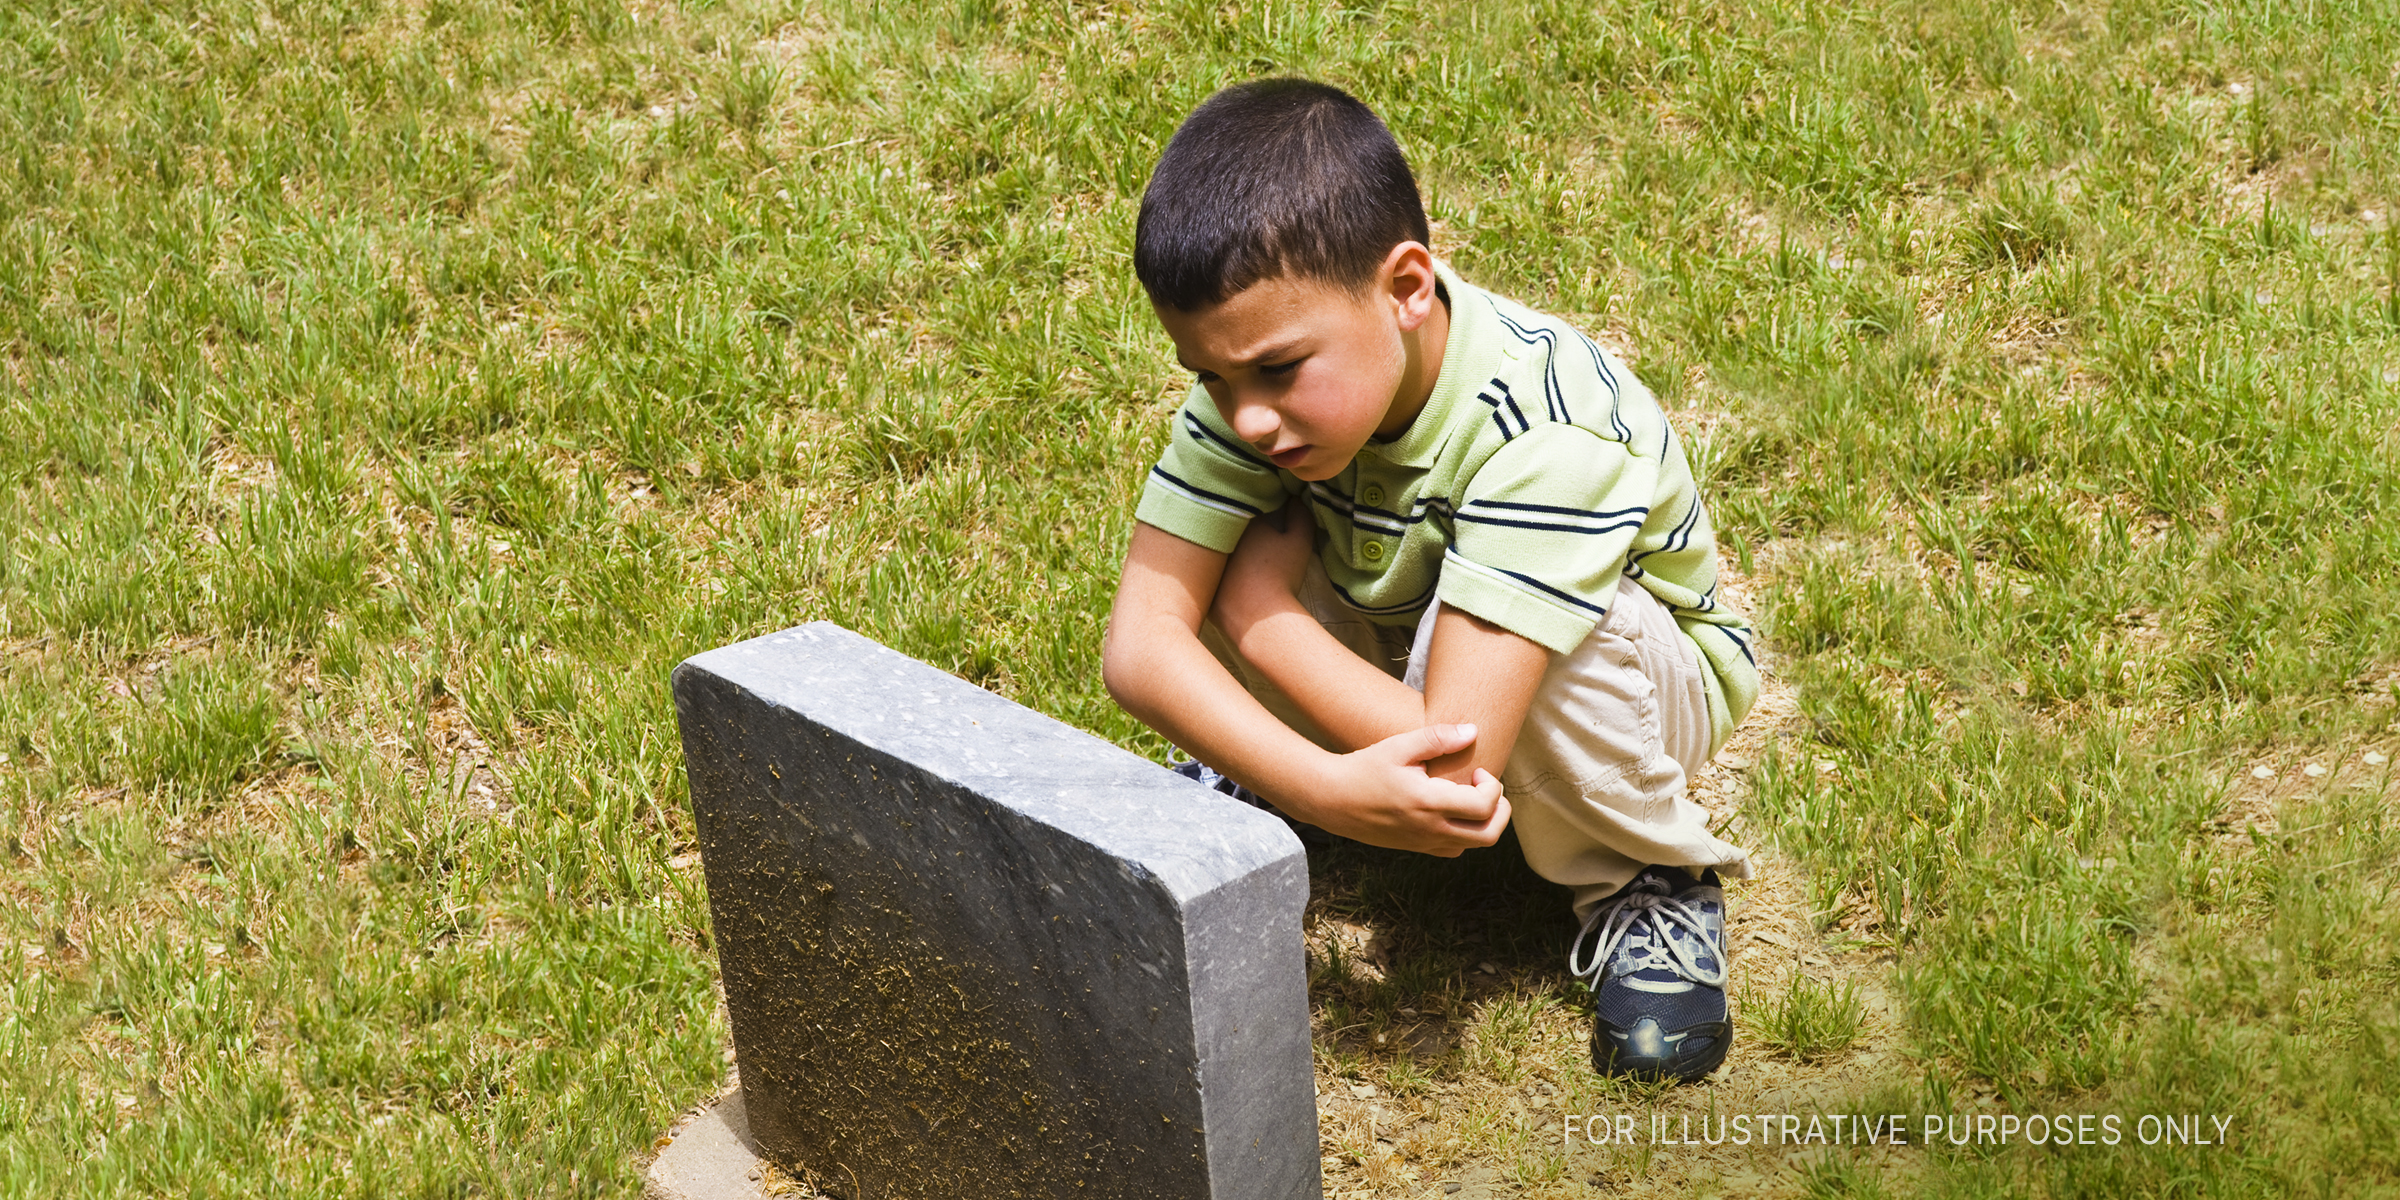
[1420, 561]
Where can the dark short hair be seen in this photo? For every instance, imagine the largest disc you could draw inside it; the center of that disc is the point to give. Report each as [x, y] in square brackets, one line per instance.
[1270, 178]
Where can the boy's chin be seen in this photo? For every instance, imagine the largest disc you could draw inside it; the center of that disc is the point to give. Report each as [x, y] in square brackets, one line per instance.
[1322, 463]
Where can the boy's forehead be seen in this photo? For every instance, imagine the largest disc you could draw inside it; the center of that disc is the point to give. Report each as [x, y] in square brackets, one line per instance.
[1260, 321]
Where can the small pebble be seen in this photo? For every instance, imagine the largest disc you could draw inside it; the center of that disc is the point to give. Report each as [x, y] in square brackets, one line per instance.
[1487, 968]
[2313, 771]
[2262, 772]
[2373, 758]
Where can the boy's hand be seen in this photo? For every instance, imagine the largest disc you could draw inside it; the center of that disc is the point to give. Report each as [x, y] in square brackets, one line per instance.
[1383, 796]
[1263, 575]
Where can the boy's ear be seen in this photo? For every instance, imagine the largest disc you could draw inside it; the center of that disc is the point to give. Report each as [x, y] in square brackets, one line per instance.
[1407, 279]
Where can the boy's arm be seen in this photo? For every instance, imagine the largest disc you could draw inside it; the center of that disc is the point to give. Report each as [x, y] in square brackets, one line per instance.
[1476, 673]
[1157, 669]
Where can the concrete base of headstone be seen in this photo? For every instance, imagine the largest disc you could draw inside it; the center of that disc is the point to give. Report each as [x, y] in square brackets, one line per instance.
[968, 950]
[710, 1157]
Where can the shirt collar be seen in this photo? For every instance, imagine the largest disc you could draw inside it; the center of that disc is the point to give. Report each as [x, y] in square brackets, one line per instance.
[1420, 445]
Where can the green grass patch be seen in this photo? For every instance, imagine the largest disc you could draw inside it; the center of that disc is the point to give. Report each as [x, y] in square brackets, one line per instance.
[1808, 1020]
[391, 393]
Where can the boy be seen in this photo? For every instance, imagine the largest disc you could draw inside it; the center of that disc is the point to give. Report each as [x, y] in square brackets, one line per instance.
[1419, 561]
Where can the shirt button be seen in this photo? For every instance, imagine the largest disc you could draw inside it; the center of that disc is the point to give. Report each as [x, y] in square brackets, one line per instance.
[1373, 551]
[1372, 496]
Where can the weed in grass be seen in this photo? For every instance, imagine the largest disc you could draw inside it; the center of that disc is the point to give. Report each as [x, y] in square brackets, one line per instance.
[1405, 1076]
[209, 724]
[281, 572]
[1835, 1176]
[1501, 1036]
[746, 95]
[513, 489]
[1810, 1020]
[2018, 228]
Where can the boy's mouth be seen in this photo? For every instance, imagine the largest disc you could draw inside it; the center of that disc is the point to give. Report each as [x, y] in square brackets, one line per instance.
[1289, 458]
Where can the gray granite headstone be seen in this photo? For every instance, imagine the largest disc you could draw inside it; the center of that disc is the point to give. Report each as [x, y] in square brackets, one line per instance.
[971, 951]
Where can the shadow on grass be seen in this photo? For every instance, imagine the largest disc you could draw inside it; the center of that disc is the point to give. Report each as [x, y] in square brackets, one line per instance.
[1409, 955]
[1483, 906]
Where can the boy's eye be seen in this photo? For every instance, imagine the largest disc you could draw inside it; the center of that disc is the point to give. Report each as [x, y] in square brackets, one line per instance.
[1281, 368]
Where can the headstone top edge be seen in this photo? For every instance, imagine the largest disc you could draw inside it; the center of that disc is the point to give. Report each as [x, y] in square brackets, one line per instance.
[1005, 763]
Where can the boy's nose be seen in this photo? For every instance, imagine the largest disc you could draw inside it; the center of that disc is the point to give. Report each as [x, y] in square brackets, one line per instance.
[1255, 423]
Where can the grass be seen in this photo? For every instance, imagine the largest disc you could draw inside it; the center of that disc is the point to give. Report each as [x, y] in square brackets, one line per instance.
[390, 393]
[1809, 1020]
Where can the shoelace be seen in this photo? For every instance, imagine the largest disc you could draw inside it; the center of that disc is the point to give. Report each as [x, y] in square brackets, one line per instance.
[1621, 916]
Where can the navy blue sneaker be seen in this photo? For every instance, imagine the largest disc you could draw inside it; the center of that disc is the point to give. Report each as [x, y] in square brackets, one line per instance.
[1657, 972]
[1209, 776]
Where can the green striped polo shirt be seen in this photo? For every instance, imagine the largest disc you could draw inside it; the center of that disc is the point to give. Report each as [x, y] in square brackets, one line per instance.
[1540, 474]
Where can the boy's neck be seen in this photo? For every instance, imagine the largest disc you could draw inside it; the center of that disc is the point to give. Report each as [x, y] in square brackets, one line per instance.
[1424, 346]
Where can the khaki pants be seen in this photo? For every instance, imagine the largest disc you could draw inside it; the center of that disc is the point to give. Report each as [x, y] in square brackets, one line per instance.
[1598, 778]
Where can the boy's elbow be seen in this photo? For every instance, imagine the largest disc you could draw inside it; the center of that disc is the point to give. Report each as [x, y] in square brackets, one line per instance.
[1117, 671]
[1113, 678]
[1130, 670]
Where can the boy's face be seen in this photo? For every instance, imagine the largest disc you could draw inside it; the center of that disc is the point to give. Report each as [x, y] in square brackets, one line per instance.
[1306, 371]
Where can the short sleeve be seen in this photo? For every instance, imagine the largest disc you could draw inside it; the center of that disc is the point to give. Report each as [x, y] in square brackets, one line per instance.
[1208, 484]
[1542, 530]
